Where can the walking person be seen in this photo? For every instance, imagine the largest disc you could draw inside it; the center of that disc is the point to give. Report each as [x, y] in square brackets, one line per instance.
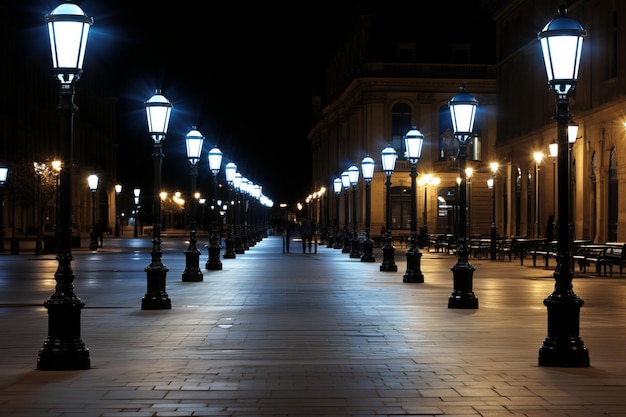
[306, 233]
[286, 236]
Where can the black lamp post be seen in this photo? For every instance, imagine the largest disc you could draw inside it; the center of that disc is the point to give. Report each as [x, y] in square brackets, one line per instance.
[388, 157]
[463, 112]
[230, 170]
[367, 168]
[239, 249]
[345, 183]
[355, 250]
[68, 27]
[561, 42]
[158, 111]
[491, 183]
[118, 190]
[192, 272]
[136, 195]
[92, 181]
[538, 157]
[40, 169]
[414, 140]
[4, 172]
[337, 186]
[214, 263]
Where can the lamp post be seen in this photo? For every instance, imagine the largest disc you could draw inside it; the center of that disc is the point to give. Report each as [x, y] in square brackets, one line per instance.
[494, 235]
[538, 157]
[554, 152]
[118, 190]
[337, 185]
[68, 27]
[353, 175]
[414, 140]
[92, 181]
[463, 112]
[388, 157]
[367, 168]
[425, 181]
[4, 172]
[40, 169]
[239, 249]
[192, 272]
[214, 263]
[230, 170]
[158, 111]
[136, 194]
[345, 183]
[561, 42]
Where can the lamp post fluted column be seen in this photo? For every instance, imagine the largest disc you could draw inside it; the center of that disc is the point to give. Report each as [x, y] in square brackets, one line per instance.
[93, 186]
[494, 233]
[367, 166]
[231, 171]
[337, 186]
[345, 182]
[64, 349]
[158, 110]
[4, 171]
[192, 272]
[414, 140]
[561, 41]
[388, 157]
[239, 249]
[463, 111]
[118, 190]
[214, 263]
[355, 250]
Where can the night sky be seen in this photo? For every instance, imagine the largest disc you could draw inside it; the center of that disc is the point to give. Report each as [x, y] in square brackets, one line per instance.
[243, 74]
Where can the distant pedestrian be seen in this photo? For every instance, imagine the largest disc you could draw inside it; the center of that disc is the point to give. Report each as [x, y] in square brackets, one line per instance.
[306, 233]
[100, 234]
[286, 236]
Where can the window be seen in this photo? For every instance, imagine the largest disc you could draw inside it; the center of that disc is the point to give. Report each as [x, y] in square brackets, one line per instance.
[400, 201]
[401, 117]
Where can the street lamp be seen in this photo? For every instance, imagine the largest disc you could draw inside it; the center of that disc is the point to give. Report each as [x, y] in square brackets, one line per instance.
[345, 183]
[414, 140]
[239, 249]
[4, 171]
[337, 185]
[158, 111]
[367, 167]
[494, 235]
[425, 181]
[136, 194]
[118, 190]
[40, 170]
[214, 263]
[68, 28]
[192, 272]
[388, 157]
[554, 151]
[92, 181]
[561, 42]
[353, 175]
[230, 170]
[463, 113]
[538, 157]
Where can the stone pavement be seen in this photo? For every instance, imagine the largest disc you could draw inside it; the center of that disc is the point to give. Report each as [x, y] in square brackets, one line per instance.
[322, 334]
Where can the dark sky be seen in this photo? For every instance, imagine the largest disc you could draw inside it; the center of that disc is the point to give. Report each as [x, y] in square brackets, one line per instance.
[243, 73]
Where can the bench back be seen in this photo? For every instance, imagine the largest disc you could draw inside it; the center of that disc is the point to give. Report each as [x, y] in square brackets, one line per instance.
[617, 252]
